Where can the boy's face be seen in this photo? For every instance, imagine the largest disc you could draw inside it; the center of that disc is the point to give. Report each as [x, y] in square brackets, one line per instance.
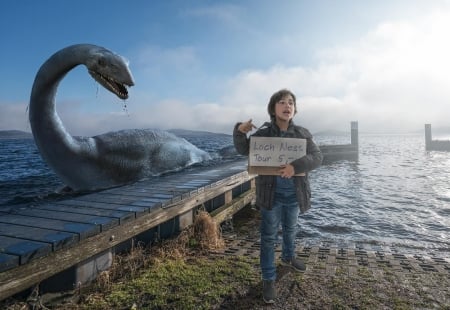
[285, 108]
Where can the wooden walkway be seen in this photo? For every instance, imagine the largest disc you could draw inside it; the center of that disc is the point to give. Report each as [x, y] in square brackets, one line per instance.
[39, 241]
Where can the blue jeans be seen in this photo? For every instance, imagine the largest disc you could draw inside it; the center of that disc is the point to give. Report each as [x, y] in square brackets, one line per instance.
[285, 213]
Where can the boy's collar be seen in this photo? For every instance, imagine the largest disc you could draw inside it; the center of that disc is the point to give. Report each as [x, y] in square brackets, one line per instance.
[274, 124]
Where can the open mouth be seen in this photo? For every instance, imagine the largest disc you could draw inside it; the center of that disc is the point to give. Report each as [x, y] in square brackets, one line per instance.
[117, 88]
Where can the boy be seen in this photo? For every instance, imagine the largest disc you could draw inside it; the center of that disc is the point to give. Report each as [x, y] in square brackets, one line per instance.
[280, 198]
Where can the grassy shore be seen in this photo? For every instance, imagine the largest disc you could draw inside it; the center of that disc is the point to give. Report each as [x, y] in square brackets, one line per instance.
[192, 272]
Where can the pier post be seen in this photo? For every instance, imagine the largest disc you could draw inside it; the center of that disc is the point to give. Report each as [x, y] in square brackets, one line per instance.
[428, 137]
[354, 133]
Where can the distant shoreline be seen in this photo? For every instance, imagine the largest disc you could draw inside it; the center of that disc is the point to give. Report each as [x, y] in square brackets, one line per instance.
[15, 134]
[438, 133]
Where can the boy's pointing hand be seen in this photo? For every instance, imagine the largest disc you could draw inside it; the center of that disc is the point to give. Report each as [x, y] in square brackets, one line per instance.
[247, 126]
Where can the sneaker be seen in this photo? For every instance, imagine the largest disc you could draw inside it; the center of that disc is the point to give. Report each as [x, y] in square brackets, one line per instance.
[295, 263]
[269, 292]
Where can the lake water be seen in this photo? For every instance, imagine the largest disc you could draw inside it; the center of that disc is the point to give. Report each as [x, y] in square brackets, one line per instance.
[396, 196]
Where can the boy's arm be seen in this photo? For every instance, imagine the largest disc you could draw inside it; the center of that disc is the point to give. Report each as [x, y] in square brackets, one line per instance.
[240, 140]
[311, 160]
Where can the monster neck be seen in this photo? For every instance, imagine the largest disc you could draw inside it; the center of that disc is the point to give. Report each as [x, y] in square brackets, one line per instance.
[45, 123]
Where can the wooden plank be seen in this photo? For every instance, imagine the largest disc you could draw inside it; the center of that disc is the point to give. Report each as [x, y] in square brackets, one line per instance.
[8, 261]
[228, 196]
[150, 200]
[149, 190]
[82, 229]
[338, 148]
[138, 211]
[124, 199]
[58, 239]
[104, 223]
[18, 279]
[24, 249]
[150, 187]
[122, 216]
[143, 192]
[152, 203]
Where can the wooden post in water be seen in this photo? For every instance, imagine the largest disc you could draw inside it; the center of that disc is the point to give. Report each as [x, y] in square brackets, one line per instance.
[428, 137]
[354, 133]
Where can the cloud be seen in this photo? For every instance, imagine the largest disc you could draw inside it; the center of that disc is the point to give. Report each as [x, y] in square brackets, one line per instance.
[154, 59]
[227, 14]
[14, 115]
[400, 73]
[394, 78]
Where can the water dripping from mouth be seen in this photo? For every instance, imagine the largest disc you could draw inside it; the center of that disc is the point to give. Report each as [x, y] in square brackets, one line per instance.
[125, 108]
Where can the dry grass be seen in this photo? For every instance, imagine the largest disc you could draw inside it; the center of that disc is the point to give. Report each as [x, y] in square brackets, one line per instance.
[203, 236]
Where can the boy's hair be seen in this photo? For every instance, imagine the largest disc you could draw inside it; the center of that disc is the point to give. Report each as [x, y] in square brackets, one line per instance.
[277, 97]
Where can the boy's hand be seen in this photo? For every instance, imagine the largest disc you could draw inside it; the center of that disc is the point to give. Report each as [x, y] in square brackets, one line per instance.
[247, 126]
[287, 171]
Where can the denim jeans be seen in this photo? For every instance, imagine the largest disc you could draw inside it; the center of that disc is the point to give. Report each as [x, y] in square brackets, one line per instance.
[284, 211]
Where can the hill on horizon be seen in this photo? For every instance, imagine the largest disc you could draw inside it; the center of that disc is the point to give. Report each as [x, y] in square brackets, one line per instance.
[184, 132]
[15, 134]
[19, 134]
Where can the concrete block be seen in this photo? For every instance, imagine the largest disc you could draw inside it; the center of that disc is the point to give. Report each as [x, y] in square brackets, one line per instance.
[88, 270]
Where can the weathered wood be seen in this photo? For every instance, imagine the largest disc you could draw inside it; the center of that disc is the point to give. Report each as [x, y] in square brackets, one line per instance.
[115, 199]
[227, 211]
[138, 211]
[8, 262]
[105, 223]
[83, 230]
[24, 249]
[58, 239]
[337, 147]
[354, 134]
[336, 152]
[434, 145]
[122, 216]
[22, 277]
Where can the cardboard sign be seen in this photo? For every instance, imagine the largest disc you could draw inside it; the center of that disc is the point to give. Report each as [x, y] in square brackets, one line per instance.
[267, 154]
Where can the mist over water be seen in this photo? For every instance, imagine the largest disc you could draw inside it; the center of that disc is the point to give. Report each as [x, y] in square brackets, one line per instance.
[395, 196]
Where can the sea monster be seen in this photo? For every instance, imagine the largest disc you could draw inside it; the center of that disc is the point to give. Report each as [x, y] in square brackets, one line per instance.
[106, 160]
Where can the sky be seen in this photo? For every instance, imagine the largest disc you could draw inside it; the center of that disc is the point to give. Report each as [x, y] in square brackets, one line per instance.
[205, 65]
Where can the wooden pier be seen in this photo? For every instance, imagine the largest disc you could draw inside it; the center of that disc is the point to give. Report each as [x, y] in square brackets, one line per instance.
[63, 244]
[79, 236]
[337, 152]
[434, 145]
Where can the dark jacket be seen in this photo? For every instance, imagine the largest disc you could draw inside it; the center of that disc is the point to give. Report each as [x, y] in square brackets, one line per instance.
[265, 184]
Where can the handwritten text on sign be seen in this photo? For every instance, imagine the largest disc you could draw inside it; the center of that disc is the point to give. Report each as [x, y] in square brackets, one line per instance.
[273, 152]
